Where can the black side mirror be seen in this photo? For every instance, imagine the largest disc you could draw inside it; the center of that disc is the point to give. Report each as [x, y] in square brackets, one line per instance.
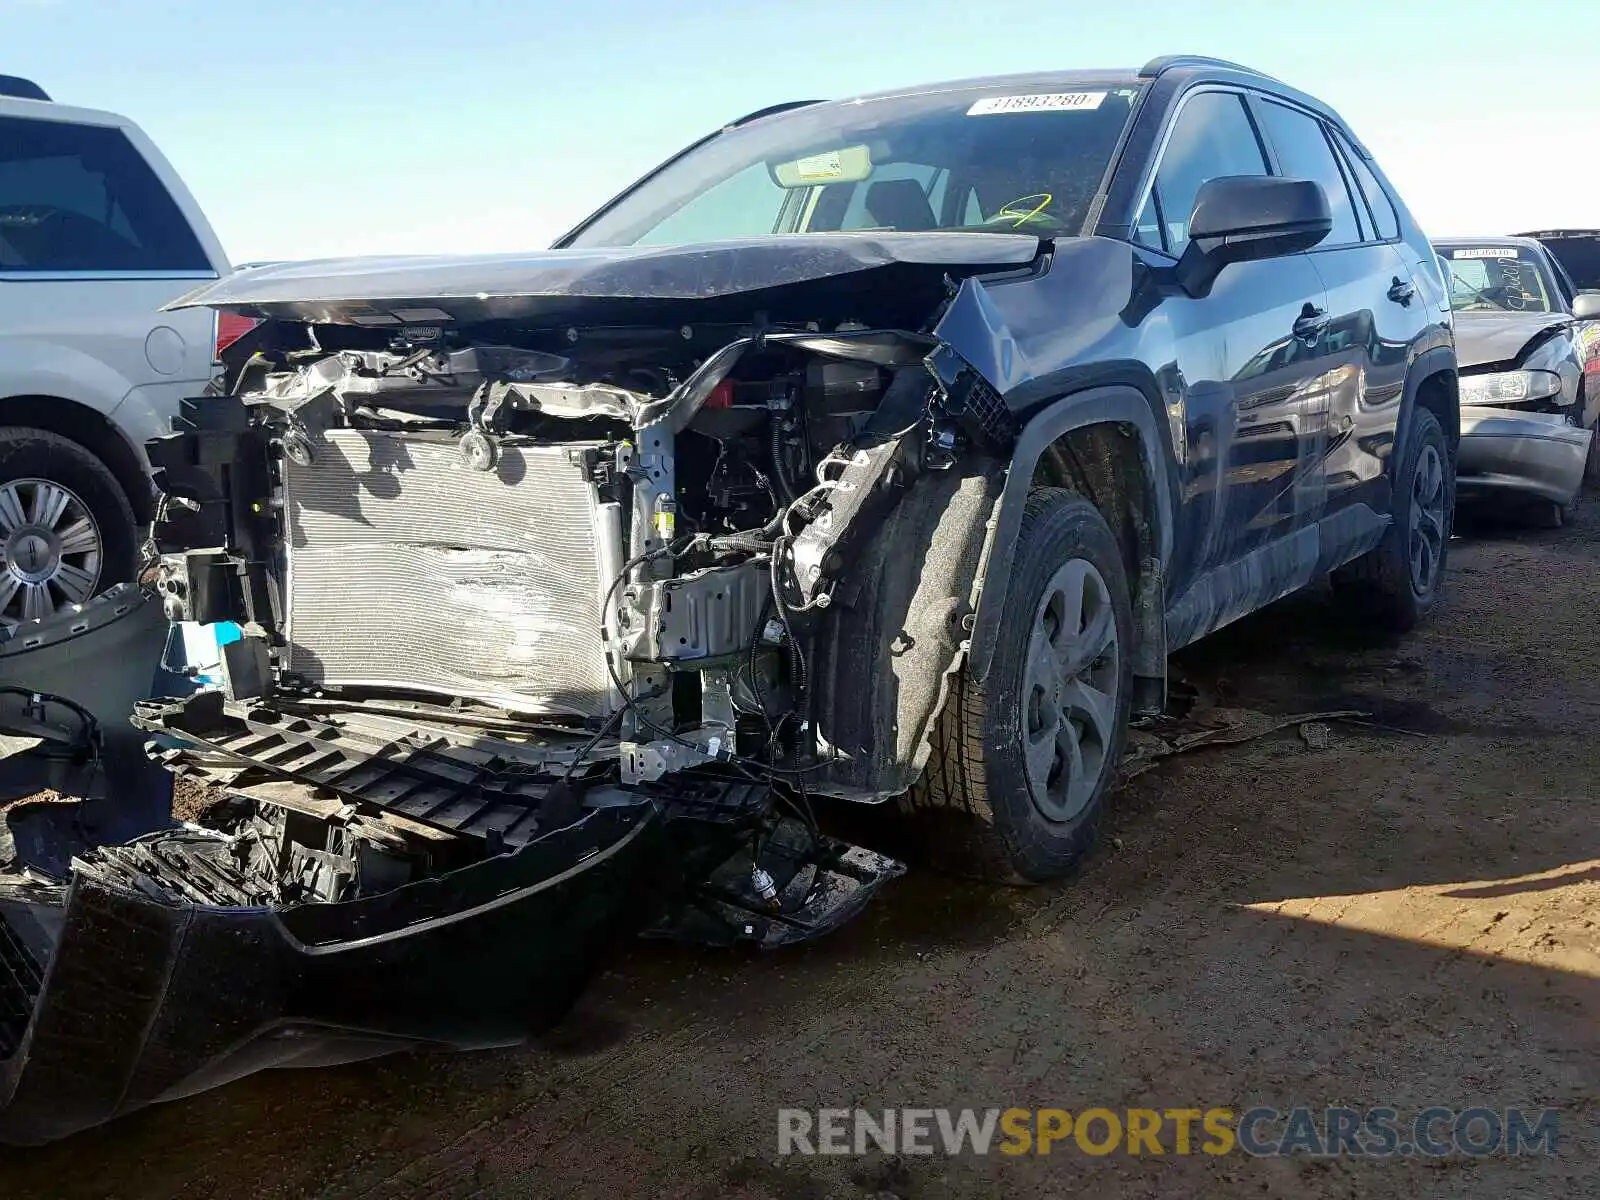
[1241, 218]
[1586, 306]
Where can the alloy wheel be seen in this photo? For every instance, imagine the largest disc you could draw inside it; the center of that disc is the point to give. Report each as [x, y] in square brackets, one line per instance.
[53, 550]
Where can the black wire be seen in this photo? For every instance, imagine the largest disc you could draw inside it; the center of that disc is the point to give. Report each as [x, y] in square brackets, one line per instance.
[588, 747]
[87, 718]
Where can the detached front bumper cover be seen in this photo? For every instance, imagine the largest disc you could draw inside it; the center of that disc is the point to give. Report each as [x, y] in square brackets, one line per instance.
[145, 1000]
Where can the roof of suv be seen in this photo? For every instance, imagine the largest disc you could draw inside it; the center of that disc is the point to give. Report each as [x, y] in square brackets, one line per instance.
[1183, 69]
[48, 110]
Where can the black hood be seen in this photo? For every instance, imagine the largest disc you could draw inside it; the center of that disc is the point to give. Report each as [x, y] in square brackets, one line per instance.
[417, 290]
[1502, 337]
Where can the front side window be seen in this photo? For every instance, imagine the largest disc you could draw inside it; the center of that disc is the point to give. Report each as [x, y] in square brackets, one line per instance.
[1304, 153]
[1211, 137]
[1497, 279]
[957, 160]
[81, 198]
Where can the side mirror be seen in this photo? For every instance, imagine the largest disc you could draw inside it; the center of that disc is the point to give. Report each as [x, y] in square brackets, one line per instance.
[1586, 306]
[1241, 218]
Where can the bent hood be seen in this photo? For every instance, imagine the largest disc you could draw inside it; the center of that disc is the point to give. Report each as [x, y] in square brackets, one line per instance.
[425, 289]
[1502, 337]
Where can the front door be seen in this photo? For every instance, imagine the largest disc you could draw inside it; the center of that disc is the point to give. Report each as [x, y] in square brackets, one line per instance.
[1245, 358]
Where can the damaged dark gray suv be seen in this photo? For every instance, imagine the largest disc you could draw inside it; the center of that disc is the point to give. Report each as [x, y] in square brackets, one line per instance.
[878, 450]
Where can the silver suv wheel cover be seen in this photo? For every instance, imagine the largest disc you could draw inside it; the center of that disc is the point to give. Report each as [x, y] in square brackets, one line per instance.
[52, 547]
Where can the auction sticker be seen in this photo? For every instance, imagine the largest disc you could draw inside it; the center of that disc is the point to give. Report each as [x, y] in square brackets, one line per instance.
[1044, 102]
[1485, 252]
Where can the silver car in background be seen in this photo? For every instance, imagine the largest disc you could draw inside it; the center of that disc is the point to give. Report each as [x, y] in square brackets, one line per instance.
[1527, 416]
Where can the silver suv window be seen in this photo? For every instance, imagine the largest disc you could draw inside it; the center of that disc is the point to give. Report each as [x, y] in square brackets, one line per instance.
[80, 198]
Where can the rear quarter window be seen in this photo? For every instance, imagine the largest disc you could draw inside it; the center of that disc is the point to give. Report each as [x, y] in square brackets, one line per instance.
[1384, 216]
[81, 198]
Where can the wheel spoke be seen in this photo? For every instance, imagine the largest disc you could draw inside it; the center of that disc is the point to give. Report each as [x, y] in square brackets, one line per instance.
[36, 601]
[1071, 750]
[76, 584]
[1093, 642]
[80, 537]
[1041, 753]
[49, 503]
[1096, 708]
[9, 584]
[12, 517]
[1432, 524]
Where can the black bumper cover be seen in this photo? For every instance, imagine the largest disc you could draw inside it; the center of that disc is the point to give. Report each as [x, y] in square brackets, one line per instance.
[145, 1001]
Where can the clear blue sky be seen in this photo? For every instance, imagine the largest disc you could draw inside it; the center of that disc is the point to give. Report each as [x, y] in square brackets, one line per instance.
[367, 126]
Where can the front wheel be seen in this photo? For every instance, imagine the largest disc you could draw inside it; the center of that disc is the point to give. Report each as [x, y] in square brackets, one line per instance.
[1022, 763]
[66, 529]
[1397, 582]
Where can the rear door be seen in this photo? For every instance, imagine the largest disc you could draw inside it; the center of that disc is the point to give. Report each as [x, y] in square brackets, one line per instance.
[1375, 314]
[92, 245]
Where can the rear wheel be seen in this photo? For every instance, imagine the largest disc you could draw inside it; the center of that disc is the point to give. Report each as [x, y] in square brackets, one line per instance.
[1397, 582]
[66, 528]
[1023, 762]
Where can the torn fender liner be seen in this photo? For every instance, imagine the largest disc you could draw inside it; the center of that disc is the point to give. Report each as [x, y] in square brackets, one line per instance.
[148, 997]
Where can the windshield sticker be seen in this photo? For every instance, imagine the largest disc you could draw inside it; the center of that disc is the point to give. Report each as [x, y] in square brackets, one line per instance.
[819, 167]
[1486, 252]
[1046, 102]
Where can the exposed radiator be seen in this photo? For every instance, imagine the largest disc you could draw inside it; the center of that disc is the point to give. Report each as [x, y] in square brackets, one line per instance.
[409, 570]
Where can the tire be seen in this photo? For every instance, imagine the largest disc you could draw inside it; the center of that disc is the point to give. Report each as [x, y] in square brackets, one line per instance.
[1382, 584]
[982, 809]
[80, 543]
[1591, 466]
[1559, 515]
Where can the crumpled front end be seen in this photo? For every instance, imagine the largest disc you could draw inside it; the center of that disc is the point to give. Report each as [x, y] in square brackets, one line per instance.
[549, 634]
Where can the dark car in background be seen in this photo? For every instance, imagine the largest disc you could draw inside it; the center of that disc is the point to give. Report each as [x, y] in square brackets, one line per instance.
[1527, 410]
[879, 450]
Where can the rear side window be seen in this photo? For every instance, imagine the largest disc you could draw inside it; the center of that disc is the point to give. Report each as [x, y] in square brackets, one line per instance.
[81, 198]
[1212, 137]
[1383, 214]
[1304, 153]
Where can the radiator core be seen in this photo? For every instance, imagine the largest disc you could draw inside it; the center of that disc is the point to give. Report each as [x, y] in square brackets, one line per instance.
[409, 570]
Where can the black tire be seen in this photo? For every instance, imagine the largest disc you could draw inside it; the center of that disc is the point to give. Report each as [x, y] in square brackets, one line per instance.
[975, 803]
[1591, 466]
[27, 454]
[1559, 515]
[1381, 584]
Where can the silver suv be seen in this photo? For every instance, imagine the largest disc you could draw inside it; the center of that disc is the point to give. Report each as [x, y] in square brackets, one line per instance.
[97, 233]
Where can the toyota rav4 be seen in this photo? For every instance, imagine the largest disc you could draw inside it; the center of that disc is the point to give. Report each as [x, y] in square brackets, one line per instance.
[879, 450]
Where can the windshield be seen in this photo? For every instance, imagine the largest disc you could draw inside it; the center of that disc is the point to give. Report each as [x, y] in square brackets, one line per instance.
[1498, 279]
[973, 159]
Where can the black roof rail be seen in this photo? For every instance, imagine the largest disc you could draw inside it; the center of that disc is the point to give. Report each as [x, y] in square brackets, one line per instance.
[22, 89]
[1167, 61]
[770, 110]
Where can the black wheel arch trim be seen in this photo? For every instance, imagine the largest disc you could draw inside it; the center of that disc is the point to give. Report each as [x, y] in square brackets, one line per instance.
[1440, 360]
[1113, 404]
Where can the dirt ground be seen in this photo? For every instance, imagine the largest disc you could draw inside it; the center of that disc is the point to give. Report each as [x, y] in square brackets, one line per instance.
[1406, 917]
